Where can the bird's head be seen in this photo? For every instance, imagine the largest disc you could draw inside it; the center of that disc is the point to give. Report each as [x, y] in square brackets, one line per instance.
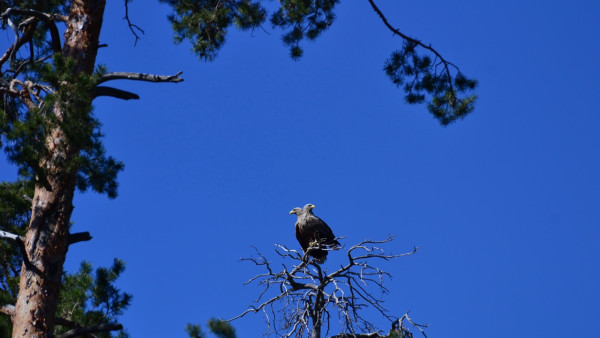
[296, 211]
[308, 207]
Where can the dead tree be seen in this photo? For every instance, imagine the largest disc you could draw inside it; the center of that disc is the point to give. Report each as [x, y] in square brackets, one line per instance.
[305, 298]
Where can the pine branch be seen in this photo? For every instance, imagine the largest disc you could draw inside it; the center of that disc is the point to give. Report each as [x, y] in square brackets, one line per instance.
[91, 329]
[19, 41]
[49, 19]
[76, 329]
[411, 40]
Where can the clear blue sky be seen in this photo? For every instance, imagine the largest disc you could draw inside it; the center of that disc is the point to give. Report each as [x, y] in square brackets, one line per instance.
[504, 203]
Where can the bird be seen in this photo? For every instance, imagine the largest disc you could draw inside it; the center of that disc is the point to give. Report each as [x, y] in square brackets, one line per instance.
[311, 231]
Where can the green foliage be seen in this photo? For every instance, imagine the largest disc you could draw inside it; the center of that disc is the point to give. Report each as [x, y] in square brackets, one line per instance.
[194, 331]
[219, 328]
[420, 77]
[40, 40]
[91, 300]
[50, 6]
[14, 217]
[26, 134]
[205, 22]
[303, 19]
[86, 298]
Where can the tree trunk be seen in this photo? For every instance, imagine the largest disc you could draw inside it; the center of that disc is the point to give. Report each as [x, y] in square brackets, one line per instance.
[47, 234]
[316, 318]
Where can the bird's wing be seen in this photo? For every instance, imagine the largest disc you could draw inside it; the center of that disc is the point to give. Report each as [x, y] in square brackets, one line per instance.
[301, 239]
[322, 229]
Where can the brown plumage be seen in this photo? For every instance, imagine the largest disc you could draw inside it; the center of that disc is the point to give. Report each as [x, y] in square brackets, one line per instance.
[311, 230]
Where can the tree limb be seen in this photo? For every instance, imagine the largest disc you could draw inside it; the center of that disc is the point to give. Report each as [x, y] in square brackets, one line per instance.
[76, 329]
[8, 309]
[91, 329]
[416, 42]
[134, 28]
[140, 77]
[79, 237]
[408, 38]
[114, 92]
[19, 41]
[67, 323]
[20, 240]
[308, 293]
[49, 19]
[4, 234]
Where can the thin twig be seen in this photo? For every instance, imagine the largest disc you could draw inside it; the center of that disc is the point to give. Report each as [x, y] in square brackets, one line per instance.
[309, 293]
[132, 27]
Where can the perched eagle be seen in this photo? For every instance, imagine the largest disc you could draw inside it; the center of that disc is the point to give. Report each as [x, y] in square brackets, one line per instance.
[312, 231]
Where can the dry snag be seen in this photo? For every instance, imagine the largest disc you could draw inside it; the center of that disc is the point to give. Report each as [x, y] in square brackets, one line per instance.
[306, 299]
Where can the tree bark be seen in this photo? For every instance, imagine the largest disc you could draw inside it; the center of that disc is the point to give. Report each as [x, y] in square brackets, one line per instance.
[317, 315]
[47, 236]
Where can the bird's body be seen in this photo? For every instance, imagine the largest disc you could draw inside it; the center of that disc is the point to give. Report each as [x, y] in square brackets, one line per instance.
[311, 231]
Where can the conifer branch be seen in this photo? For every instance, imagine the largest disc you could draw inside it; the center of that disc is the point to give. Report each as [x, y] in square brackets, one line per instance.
[76, 329]
[49, 19]
[66, 323]
[90, 329]
[140, 77]
[416, 42]
[447, 102]
[411, 40]
[19, 41]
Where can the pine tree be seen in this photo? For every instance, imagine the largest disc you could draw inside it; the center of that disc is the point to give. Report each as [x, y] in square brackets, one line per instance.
[49, 131]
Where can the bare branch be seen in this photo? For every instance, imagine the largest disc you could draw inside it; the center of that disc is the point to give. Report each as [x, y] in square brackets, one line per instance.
[20, 240]
[79, 237]
[399, 327]
[308, 294]
[19, 41]
[140, 77]
[4, 234]
[114, 92]
[49, 20]
[8, 309]
[133, 28]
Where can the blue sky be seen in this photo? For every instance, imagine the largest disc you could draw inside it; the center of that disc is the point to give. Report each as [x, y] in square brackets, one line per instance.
[503, 203]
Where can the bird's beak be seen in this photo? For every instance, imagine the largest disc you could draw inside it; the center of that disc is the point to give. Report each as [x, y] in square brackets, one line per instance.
[292, 212]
